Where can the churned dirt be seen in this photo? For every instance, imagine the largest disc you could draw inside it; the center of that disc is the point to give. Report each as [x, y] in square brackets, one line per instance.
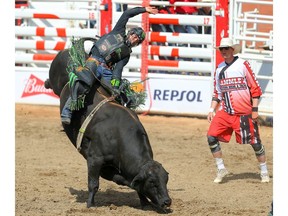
[51, 176]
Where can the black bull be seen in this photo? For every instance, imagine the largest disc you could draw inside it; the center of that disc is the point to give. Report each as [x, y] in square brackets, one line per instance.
[115, 143]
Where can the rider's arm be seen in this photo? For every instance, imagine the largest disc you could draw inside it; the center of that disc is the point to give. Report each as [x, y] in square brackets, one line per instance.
[117, 72]
[121, 23]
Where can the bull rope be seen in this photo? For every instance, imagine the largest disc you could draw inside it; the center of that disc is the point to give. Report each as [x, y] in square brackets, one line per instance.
[88, 119]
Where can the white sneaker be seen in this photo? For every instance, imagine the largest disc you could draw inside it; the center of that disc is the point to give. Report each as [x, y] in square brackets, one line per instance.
[265, 177]
[220, 175]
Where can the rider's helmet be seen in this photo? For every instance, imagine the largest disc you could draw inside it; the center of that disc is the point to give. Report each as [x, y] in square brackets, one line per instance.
[140, 34]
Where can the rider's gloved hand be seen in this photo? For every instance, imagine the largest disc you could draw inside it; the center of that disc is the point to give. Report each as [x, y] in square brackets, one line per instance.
[115, 84]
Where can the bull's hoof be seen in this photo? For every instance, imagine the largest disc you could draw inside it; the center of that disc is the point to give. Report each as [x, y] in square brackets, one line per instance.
[89, 204]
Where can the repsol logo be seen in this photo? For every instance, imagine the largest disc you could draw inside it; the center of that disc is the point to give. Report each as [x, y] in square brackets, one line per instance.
[174, 95]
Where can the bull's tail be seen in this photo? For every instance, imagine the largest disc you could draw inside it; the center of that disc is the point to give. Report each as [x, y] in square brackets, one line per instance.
[47, 84]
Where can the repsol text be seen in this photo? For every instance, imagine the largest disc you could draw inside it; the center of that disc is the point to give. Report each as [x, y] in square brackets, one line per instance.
[174, 95]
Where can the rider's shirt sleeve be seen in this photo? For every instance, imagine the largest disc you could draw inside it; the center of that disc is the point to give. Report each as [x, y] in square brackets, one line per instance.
[121, 23]
[117, 72]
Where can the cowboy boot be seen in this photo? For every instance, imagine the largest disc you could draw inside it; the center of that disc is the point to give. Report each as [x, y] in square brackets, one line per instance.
[66, 113]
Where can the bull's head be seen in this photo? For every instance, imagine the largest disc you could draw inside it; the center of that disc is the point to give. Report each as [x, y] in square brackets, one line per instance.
[151, 182]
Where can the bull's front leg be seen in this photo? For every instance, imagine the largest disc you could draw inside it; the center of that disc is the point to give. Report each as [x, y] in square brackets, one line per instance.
[94, 166]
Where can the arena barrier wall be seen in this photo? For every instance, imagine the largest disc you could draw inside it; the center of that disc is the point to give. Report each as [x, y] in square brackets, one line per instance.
[169, 95]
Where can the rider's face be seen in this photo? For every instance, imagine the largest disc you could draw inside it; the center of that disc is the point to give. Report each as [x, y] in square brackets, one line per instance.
[134, 39]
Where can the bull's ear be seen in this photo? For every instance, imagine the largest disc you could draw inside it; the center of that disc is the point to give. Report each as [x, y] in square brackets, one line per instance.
[137, 180]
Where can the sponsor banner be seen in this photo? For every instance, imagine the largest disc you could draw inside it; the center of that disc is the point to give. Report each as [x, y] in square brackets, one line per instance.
[179, 96]
[30, 89]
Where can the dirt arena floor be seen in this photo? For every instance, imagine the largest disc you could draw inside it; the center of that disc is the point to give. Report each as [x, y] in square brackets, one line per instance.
[51, 176]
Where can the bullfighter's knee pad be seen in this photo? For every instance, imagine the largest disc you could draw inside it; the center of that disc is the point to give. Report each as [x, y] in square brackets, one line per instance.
[213, 144]
[259, 149]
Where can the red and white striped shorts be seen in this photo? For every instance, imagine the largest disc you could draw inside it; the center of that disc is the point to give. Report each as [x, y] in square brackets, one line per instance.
[223, 125]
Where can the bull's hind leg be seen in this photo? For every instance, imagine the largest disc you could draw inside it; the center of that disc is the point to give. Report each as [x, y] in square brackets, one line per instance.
[94, 166]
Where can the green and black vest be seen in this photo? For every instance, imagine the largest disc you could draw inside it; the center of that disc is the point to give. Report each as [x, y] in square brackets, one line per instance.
[113, 48]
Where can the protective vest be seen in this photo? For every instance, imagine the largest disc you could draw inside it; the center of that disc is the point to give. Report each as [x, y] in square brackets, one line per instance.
[112, 48]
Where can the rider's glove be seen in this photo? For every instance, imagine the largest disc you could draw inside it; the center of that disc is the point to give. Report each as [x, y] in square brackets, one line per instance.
[115, 84]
